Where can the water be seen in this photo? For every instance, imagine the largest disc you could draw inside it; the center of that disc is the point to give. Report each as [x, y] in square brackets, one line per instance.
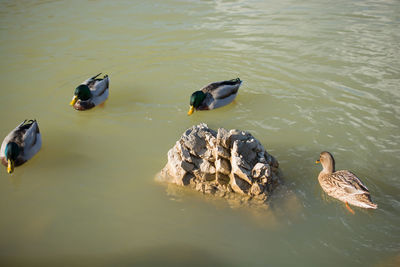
[317, 76]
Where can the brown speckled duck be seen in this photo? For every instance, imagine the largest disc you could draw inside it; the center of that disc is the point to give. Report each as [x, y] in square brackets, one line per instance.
[343, 184]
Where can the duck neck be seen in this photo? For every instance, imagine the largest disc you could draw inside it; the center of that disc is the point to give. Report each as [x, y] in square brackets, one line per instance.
[329, 167]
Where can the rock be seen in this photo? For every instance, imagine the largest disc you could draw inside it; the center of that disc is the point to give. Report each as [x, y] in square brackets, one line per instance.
[239, 135]
[222, 152]
[203, 176]
[210, 189]
[222, 179]
[252, 144]
[221, 163]
[199, 187]
[239, 186]
[223, 138]
[256, 189]
[187, 166]
[223, 166]
[240, 171]
[261, 158]
[261, 170]
[184, 152]
[174, 166]
[208, 155]
[197, 161]
[194, 140]
[187, 179]
[207, 167]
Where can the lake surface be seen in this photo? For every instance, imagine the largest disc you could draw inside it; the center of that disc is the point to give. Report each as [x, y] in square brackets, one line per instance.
[318, 75]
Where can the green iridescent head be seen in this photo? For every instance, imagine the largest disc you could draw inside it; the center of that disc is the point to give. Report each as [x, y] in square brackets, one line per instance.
[83, 92]
[11, 152]
[196, 99]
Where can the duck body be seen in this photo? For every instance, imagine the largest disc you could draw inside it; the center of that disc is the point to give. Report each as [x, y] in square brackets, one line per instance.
[91, 93]
[343, 185]
[215, 95]
[21, 144]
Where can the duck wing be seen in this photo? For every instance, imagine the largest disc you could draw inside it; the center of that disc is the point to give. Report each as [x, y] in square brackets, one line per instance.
[352, 190]
[223, 89]
[99, 86]
[17, 135]
[349, 182]
[31, 134]
[96, 85]
[91, 81]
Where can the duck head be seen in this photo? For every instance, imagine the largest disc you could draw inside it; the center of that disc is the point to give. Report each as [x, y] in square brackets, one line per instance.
[12, 151]
[327, 161]
[82, 92]
[195, 100]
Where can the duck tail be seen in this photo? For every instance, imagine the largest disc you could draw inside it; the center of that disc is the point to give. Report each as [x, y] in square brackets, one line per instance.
[94, 77]
[27, 123]
[235, 81]
[37, 126]
[368, 204]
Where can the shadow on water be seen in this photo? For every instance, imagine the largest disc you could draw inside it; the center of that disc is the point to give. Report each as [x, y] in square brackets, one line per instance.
[166, 255]
[282, 203]
[66, 148]
[61, 150]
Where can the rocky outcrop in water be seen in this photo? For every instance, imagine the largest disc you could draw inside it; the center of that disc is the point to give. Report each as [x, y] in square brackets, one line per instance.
[221, 163]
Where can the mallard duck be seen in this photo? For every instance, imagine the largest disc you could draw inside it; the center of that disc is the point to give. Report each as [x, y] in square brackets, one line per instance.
[20, 144]
[343, 185]
[91, 93]
[214, 95]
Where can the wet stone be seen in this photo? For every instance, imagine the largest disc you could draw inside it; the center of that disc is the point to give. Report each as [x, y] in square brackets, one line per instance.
[221, 163]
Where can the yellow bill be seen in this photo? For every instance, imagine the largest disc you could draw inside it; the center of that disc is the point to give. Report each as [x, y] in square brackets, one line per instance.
[10, 166]
[74, 100]
[317, 161]
[190, 110]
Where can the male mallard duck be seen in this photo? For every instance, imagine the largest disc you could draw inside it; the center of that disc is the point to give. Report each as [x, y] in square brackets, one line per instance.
[20, 144]
[343, 185]
[90, 93]
[214, 95]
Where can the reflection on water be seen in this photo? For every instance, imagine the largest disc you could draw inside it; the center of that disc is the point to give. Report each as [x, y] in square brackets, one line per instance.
[317, 76]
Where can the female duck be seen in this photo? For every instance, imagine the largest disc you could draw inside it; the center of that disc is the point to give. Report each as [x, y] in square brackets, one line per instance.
[20, 144]
[214, 95]
[90, 93]
[343, 185]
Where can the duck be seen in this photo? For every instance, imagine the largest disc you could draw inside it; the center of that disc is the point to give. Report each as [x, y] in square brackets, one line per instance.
[20, 145]
[92, 92]
[343, 185]
[214, 95]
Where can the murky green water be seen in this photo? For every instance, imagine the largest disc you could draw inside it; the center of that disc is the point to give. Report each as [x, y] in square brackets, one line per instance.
[318, 75]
